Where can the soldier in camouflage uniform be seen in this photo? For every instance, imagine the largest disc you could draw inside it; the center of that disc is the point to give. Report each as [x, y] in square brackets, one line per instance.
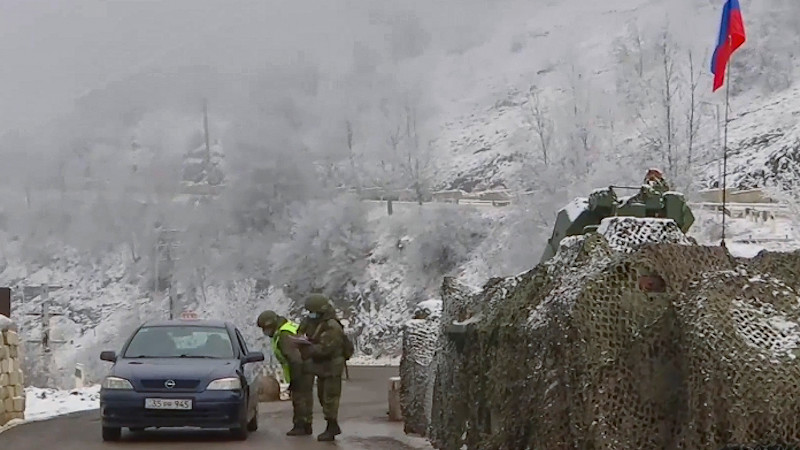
[655, 179]
[653, 184]
[300, 379]
[326, 356]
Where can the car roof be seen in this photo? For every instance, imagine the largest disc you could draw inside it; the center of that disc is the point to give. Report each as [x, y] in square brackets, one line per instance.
[190, 323]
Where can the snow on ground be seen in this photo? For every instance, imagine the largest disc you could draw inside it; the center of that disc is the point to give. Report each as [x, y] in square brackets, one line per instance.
[745, 238]
[45, 403]
[482, 91]
[370, 361]
[744, 250]
[764, 137]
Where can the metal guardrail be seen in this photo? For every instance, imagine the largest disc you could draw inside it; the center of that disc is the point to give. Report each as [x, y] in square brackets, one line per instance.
[755, 207]
[735, 205]
[762, 240]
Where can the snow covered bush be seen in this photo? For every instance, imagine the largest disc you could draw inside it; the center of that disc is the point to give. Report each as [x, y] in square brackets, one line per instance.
[442, 240]
[327, 247]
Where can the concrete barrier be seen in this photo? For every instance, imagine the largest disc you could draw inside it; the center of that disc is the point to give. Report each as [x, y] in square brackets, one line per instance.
[12, 393]
[735, 196]
[395, 412]
[80, 376]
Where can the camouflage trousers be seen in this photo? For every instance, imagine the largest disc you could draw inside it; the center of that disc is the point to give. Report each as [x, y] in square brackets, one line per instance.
[303, 398]
[329, 391]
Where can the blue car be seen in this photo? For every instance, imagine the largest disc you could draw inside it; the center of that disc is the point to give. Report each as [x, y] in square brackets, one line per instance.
[181, 373]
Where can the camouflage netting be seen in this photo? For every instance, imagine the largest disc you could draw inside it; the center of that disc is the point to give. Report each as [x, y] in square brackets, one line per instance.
[631, 338]
[420, 336]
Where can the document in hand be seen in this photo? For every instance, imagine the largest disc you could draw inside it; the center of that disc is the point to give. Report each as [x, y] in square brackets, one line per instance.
[302, 340]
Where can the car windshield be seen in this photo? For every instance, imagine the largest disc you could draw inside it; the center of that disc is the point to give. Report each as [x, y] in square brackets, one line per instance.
[180, 342]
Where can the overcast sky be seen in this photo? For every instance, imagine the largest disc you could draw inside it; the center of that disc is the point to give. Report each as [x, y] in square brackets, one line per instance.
[54, 51]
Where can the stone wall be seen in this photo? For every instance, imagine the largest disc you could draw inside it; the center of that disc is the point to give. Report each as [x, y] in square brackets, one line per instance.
[12, 394]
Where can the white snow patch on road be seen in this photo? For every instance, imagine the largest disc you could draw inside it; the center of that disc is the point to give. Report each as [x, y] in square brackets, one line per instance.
[46, 403]
[744, 250]
[373, 361]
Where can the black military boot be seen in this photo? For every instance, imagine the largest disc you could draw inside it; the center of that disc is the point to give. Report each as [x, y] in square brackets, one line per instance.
[330, 432]
[300, 429]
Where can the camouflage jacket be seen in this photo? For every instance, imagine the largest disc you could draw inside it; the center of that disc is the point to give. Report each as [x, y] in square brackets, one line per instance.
[325, 355]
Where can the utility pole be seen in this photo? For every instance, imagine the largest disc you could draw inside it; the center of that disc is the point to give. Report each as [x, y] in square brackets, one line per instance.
[46, 314]
[164, 241]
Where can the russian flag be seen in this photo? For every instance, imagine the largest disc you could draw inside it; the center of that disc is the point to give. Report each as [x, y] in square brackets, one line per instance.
[731, 37]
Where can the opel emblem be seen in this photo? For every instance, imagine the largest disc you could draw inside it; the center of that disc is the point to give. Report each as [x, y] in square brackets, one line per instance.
[169, 384]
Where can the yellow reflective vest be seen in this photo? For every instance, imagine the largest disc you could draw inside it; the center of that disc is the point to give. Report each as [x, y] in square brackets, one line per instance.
[291, 327]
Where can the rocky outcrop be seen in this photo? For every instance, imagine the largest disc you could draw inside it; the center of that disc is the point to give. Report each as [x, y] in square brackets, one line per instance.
[269, 390]
[12, 393]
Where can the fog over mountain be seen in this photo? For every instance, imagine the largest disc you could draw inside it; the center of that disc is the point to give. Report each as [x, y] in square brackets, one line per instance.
[113, 190]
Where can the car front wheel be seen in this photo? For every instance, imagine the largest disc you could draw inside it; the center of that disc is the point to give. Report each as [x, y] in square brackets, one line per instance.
[241, 432]
[112, 433]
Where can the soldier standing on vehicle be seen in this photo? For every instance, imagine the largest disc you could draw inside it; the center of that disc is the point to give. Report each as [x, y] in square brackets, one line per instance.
[328, 352]
[300, 379]
[655, 179]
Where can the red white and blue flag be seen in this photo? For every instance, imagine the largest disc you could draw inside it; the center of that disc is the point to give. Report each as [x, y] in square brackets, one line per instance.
[731, 37]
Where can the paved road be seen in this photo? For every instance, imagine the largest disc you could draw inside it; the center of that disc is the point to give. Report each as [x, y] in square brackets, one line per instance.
[363, 418]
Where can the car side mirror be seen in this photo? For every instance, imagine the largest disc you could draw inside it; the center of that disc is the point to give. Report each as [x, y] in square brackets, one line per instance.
[108, 356]
[253, 357]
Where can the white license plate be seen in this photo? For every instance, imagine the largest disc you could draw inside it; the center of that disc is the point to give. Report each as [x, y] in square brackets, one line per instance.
[164, 403]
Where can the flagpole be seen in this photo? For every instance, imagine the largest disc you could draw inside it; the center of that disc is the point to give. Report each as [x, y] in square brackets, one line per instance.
[725, 141]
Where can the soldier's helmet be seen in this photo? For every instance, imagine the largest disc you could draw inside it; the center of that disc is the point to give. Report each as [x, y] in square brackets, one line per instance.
[317, 303]
[654, 175]
[267, 319]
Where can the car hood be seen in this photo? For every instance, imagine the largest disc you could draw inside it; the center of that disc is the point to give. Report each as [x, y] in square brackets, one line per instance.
[174, 368]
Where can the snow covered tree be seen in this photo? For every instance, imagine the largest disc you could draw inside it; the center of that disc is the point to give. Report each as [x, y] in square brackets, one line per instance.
[404, 160]
[442, 240]
[203, 165]
[327, 247]
[538, 119]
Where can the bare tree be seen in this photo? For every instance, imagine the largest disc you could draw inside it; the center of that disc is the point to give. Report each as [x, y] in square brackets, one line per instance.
[540, 122]
[352, 155]
[407, 162]
[580, 135]
[417, 160]
[389, 175]
[668, 100]
[693, 118]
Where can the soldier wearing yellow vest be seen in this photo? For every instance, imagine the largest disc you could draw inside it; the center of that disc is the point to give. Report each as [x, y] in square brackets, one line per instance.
[301, 381]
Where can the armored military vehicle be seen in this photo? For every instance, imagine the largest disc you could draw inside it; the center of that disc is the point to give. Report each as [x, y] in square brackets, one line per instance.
[584, 215]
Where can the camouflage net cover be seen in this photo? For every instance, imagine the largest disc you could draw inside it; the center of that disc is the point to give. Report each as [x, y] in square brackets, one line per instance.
[576, 355]
[420, 336]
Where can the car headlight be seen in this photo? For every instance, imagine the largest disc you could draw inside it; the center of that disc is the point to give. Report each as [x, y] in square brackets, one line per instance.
[225, 384]
[116, 383]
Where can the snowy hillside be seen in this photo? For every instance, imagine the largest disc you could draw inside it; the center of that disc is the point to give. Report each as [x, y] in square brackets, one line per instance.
[764, 138]
[98, 305]
[555, 98]
[493, 134]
